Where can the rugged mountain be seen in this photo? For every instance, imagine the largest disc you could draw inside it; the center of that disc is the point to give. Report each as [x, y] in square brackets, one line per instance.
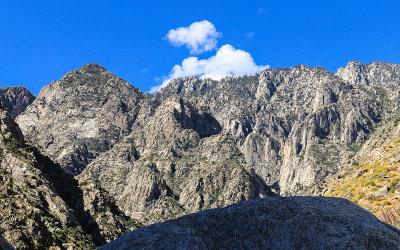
[270, 223]
[372, 178]
[81, 115]
[42, 206]
[200, 144]
[294, 126]
[378, 74]
[174, 162]
[15, 99]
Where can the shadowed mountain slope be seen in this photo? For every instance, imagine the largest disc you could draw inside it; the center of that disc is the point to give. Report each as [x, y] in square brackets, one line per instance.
[42, 206]
[270, 223]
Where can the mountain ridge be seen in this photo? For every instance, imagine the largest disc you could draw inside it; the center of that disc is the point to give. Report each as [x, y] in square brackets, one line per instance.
[199, 144]
[42, 206]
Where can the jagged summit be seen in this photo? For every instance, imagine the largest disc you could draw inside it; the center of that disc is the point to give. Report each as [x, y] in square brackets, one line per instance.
[88, 69]
[377, 74]
[16, 99]
[81, 115]
[92, 68]
[92, 75]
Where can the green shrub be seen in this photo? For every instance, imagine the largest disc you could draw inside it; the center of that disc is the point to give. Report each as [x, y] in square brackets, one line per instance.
[12, 145]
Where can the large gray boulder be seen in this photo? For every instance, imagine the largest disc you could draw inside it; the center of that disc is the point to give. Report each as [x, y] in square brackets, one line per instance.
[269, 223]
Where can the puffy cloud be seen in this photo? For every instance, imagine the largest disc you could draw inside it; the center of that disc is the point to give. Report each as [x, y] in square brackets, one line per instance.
[199, 37]
[228, 61]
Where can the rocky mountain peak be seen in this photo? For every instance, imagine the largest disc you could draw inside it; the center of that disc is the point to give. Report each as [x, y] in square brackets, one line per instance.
[92, 109]
[16, 99]
[377, 74]
[91, 76]
[92, 69]
[301, 67]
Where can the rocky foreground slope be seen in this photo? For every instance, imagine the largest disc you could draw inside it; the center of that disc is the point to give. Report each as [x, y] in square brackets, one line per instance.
[42, 206]
[270, 223]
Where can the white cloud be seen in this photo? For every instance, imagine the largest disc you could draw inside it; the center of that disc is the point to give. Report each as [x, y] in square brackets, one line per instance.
[228, 61]
[250, 34]
[262, 11]
[199, 37]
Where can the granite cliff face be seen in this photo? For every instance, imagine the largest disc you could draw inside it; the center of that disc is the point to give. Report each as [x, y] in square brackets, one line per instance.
[42, 206]
[270, 223]
[200, 144]
[15, 99]
[372, 178]
[378, 74]
[175, 162]
[81, 115]
[294, 126]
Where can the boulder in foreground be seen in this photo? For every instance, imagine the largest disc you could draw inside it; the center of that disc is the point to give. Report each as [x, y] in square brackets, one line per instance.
[269, 223]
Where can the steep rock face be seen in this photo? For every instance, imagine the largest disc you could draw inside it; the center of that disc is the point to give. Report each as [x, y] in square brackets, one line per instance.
[378, 74]
[270, 223]
[174, 162]
[31, 212]
[15, 99]
[372, 177]
[294, 126]
[81, 115]
[42, 206]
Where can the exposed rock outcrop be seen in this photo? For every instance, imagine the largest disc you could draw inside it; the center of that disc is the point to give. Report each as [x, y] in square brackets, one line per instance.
[372, 178]
[378, 74]
[81, 115]
[174, 162]
[270, 223]
[42, 206]
[200, 144]
[294, 126]
[16, 99]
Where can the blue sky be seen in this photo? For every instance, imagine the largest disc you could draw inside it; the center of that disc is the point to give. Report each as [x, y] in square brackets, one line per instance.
[40, 41]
